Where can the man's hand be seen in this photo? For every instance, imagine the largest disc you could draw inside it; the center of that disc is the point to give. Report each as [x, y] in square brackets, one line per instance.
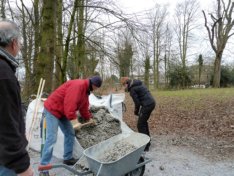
[79, 125]
[28, 172]
[91, 121]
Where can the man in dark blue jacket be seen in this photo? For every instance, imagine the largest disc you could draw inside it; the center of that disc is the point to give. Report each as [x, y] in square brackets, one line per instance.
[144, 103]
[14, 158]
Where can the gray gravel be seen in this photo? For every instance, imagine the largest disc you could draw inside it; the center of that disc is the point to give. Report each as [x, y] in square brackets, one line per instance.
[117, 151]
[106, 126]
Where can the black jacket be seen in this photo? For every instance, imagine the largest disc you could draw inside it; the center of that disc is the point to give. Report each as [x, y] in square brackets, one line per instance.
[140, 94]
[13, 142]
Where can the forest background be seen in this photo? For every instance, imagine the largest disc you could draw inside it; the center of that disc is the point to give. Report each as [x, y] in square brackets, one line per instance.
[69, 39]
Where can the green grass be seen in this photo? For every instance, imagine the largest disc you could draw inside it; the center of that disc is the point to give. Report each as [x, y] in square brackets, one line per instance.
[221, 93]
[193, 98]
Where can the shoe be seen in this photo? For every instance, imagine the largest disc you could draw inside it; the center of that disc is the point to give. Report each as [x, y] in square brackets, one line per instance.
[44, 173]
[70, 162]
[147, 147]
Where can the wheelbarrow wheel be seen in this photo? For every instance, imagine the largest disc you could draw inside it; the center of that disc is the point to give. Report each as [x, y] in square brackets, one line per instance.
[139, 171]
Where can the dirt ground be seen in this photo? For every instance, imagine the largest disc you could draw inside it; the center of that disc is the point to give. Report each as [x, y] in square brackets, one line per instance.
[194, 140]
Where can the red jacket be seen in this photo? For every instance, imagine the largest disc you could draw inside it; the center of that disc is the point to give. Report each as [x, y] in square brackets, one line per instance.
[68, 98]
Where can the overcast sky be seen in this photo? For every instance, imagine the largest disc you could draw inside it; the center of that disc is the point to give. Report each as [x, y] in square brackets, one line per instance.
[134, 6]
[140, 5]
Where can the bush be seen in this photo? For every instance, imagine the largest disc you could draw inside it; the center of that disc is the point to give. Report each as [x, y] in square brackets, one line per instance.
[179, 77]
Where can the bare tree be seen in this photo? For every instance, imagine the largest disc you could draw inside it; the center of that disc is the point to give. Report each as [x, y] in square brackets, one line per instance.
[167, 50]
[157, 20]
[185, 21]
[219, 32]
[67, 43]
[30, 17]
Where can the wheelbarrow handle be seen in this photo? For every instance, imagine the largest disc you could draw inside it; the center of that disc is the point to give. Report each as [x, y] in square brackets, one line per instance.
[45, 167]
[71, 169]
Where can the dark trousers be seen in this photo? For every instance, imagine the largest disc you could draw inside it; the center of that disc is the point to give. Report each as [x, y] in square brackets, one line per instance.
[144, 115]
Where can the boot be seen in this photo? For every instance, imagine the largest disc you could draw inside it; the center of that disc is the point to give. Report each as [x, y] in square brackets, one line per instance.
[70, 162]
[44, 173]
[147, 147]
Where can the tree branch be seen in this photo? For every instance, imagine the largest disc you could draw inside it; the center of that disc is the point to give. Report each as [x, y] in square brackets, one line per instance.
[210, 35]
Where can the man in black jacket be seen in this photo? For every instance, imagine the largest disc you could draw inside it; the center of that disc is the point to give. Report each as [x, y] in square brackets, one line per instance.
[144, 103]
[14, 158]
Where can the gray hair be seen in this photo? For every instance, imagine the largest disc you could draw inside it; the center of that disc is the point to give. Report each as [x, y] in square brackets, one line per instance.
[8, 31]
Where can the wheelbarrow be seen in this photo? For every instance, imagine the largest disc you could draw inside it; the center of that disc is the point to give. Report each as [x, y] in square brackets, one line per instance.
[130, 164]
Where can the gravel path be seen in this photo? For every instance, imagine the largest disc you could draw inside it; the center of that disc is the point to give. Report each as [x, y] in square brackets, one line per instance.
[169, 159]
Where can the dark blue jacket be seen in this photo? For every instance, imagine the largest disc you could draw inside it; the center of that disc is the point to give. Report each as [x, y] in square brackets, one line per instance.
[140, 94]
[13, 154]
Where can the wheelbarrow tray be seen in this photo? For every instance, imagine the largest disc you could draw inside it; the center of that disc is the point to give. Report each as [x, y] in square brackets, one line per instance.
[125, 163]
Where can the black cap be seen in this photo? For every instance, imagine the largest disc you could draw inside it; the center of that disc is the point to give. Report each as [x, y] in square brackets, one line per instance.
[96, 80]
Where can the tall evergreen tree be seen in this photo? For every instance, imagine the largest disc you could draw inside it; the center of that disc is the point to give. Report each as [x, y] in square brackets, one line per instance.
[200, 64]
[147, 68]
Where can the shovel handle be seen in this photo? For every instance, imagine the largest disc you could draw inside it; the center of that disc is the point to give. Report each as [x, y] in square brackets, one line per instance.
[45, 167]
[78, 126]
[89, 123]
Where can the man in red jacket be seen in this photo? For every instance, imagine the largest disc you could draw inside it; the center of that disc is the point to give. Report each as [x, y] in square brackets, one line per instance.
[60, 108]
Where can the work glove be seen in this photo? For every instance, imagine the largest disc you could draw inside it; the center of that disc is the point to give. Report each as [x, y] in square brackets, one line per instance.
[77, 126]
[91, 121]
[81, 119]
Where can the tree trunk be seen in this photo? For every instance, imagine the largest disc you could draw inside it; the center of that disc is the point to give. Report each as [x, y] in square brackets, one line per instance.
[81, 65]
[37, 37]
[67, 44]
[217, 70]
[154, 64]
[147, 67]
[186, 13]
[27, 84]
[2, 9]
[59, 47]
[45, 66]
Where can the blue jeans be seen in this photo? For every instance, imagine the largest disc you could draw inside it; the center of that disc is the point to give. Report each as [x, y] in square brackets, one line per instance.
[52, 124]
[6, 172]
